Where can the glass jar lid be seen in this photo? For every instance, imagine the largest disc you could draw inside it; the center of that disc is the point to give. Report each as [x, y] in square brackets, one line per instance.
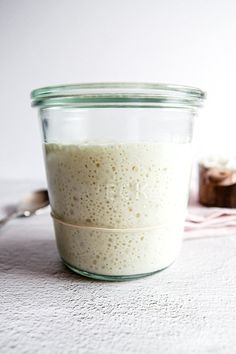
[119, 94]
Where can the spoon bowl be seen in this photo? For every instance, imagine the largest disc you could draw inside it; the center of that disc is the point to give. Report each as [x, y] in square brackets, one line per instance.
[32, 203]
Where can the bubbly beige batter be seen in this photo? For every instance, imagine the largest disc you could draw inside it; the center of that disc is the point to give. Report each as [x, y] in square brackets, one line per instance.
[130, 186]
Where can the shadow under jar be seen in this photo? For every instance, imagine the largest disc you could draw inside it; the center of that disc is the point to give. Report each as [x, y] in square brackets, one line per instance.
[118, 163]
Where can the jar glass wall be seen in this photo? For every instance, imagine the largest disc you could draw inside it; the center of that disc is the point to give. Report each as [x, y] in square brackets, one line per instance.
[118, 161]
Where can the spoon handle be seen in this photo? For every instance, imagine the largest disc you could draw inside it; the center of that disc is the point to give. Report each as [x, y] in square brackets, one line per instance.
[13, 215]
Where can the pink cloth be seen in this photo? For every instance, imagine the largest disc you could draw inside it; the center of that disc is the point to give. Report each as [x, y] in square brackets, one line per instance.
[208, 222]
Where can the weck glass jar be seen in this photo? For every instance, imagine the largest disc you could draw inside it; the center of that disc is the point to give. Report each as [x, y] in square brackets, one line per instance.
[118, 162]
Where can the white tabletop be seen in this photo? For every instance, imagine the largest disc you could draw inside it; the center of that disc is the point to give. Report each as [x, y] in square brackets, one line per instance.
[45, 308]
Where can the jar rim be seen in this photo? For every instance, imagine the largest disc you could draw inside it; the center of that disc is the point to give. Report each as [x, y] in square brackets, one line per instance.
[119, 94]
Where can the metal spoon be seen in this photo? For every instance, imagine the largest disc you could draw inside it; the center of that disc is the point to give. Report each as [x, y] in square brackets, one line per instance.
[29, 205]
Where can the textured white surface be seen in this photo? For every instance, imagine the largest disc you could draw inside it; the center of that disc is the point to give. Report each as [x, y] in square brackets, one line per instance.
[45, 308]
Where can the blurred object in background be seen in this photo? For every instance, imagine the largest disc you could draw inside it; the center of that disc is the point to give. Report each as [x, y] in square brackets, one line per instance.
[217, 181]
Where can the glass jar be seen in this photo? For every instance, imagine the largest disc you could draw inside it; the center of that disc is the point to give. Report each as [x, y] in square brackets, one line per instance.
[118, 163]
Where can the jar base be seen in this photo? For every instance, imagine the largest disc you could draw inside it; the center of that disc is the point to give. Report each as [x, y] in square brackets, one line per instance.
[110, 277]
